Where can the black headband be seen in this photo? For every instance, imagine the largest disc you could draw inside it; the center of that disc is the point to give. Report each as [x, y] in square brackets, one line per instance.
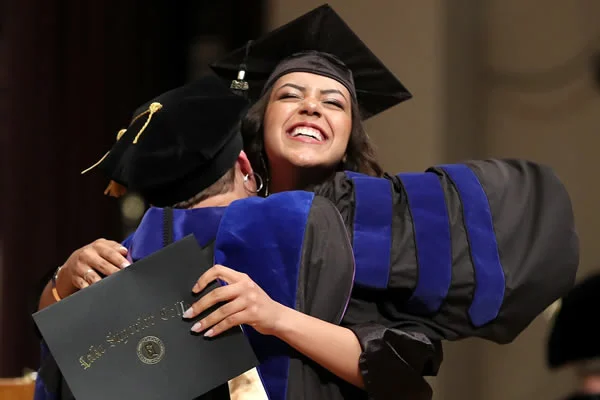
[317, 63]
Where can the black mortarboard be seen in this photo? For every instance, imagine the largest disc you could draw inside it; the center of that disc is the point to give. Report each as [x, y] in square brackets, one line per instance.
[178, 144]
[319, 42]
[574, 336]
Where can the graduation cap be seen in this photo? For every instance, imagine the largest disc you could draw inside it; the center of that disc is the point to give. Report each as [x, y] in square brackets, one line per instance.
[318, 42]
[178, 144]
[574, 336]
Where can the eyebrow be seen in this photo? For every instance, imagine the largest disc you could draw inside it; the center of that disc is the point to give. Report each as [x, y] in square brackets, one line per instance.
[302, 89]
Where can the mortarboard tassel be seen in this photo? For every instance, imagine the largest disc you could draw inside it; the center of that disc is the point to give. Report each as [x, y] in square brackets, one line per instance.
[240, 83]
[119, 134]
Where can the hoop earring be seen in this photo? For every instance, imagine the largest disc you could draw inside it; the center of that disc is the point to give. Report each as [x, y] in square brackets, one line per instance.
[258, 178]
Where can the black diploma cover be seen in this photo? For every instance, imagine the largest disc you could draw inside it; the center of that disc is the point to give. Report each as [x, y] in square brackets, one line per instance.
[124, 337]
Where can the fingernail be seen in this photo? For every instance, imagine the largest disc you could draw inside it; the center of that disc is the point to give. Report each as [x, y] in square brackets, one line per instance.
[188, 313]
[209, 333]
[195, 289]
[125, 264]
[124, 249]
[197, 327]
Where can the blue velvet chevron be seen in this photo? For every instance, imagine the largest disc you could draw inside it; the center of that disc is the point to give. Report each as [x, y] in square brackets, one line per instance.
[264, 238]
[148, 238]
[433, 247]
[372, 236]
[489, 274]
[260, 237]
[427, 204]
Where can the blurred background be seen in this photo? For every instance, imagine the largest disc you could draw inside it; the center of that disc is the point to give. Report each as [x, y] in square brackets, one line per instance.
[490, 78]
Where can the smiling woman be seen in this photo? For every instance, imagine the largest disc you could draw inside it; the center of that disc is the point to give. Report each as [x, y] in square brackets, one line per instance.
[312, 73]
[447, 254]
[307, 126]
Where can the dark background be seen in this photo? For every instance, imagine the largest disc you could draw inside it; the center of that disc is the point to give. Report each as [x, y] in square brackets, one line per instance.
[71, 74]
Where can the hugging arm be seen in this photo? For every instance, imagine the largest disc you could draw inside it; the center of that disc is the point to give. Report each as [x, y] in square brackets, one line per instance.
[459, 248]
[314, 322]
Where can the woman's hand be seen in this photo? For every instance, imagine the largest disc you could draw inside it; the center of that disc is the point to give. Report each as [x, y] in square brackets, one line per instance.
[246, 304]
[82, 267]
[334, 347]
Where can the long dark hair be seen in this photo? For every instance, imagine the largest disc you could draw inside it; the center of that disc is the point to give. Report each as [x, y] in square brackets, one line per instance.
[360, 153]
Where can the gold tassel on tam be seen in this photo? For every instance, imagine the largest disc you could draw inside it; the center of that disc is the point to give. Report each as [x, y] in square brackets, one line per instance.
[115, 189]
[119, 135]
[154, 107]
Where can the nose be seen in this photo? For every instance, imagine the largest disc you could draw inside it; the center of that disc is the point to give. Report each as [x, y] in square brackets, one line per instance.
[311, 106]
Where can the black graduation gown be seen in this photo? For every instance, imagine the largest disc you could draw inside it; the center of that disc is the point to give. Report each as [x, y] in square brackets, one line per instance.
[295, 246]
[473, 249]
[581, 396]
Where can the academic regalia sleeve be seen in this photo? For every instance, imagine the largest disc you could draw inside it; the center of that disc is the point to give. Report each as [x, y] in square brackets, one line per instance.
[294, 245]
[42, 392]
[395, 361]
[529, 218]
[327, 264]
[473, 249]
[36, 295]
[50, 384]
[392, 360]
[324, 288]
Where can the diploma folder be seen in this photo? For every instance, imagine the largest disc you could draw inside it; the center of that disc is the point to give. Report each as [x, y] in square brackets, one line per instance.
[125, 338]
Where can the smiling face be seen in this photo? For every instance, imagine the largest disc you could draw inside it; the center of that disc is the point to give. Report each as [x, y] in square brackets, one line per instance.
[307, 123]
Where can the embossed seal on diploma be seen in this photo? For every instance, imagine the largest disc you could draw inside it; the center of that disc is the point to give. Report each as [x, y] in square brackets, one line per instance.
[150, 350]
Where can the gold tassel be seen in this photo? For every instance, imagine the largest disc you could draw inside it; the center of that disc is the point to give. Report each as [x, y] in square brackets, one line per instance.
[119, 135]
[115, 189]
[95, 165]
[154, 107]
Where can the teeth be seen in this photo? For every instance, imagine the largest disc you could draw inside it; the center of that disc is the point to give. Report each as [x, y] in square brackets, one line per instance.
[306, 131]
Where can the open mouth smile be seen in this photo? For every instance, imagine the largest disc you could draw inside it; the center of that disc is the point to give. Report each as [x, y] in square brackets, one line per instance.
[308, 133]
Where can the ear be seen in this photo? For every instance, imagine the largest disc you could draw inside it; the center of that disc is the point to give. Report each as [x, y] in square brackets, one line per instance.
[244, 164]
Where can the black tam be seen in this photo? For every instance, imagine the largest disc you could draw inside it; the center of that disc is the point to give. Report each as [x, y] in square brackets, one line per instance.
[179, 143]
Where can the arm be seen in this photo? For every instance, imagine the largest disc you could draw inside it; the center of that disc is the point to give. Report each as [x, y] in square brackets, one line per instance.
[325, 283]
[520, 238]
[387, 356]
[395, 358]
[462, 246]
[385, 361]
[102, 257]
[333, 347]
[47, 298]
